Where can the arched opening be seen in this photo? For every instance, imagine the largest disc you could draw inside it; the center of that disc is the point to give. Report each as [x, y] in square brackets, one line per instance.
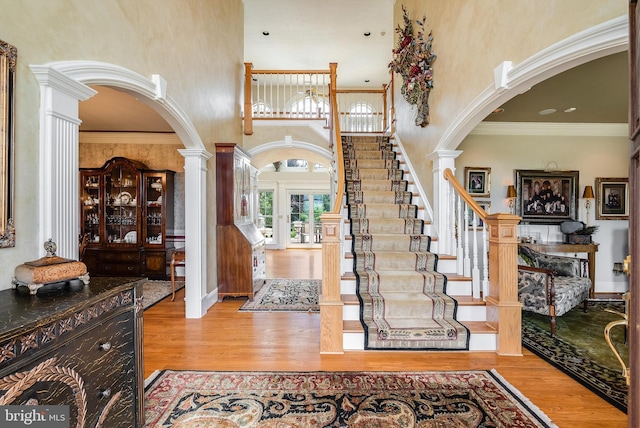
[63, 85]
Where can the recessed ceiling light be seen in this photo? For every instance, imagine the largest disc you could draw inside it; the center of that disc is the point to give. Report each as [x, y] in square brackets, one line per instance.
[547, 111]
[367, 33]
[265, 33]
[498, 110]
[570, 110]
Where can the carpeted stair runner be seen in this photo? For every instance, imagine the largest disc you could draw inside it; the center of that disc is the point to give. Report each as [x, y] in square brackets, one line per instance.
[403, 304]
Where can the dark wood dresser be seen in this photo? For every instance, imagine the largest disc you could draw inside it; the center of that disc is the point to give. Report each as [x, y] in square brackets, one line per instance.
[77, 345]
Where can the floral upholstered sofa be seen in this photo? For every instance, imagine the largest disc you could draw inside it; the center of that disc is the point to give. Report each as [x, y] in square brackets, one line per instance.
[551, 285]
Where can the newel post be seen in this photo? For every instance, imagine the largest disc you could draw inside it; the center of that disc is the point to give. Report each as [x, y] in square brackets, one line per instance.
[504, 311]
[330, 300]
[248, 106]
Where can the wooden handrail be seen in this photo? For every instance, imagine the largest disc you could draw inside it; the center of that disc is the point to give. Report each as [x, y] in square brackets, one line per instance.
[337, 143]
[459, 188]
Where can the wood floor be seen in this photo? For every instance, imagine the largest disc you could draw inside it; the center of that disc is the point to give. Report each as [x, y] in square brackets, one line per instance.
[225, 340]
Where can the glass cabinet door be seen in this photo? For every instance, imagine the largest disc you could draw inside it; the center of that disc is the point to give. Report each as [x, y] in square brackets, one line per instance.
[154, 186]
[90, 206]
[121, 213]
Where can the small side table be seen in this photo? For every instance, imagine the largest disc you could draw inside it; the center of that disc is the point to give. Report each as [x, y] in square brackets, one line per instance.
[177, 257]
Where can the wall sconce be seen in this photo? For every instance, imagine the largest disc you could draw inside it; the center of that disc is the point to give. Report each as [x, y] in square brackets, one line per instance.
[511, 196]
[588, 195]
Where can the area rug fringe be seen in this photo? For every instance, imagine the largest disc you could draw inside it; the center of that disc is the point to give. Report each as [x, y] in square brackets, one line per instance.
[535, 410]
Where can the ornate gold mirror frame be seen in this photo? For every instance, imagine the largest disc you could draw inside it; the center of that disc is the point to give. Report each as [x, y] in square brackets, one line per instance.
[8, 56]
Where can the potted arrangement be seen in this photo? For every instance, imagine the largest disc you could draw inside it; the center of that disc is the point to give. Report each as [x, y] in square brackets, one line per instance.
[576, 232]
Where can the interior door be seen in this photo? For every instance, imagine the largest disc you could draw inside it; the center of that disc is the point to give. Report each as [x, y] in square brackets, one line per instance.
[305, 209]
[634, 217]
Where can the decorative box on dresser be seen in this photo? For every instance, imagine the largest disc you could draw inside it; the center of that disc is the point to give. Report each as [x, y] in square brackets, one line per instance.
[124, 210]
[77, 345]
[240, 245]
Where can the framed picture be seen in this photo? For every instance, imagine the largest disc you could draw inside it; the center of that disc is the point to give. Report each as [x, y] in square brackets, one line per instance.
[612, 198]
[485, 205]
[546, 197]
[478, 181]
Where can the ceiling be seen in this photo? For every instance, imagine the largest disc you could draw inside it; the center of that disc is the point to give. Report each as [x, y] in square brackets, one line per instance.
[310, 35]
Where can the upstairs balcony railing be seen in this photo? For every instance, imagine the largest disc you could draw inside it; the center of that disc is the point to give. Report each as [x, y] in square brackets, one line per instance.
[306, 95]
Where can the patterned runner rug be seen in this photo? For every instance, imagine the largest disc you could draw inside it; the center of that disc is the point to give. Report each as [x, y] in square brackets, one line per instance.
[579, 348]
[286, 295]
[403, 298]
[155, 291]
[336, 399]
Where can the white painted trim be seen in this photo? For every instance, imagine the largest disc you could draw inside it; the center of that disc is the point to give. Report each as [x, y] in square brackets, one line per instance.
[416, 181]
[146, 90]
[76, 75]
[596, 42]
[552, 129]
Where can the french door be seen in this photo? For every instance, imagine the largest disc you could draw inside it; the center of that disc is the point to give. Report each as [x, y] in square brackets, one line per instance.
[305, 208]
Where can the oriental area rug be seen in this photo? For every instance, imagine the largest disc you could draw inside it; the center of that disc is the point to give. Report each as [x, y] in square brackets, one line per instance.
[403, 300]
[286, 295]
[155, 291]
[580, 350]
[336, 399]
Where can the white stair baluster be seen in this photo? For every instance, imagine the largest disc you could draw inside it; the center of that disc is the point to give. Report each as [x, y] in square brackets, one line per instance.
[485, 264]
[475, 273]
[467, 260]
[459, 251]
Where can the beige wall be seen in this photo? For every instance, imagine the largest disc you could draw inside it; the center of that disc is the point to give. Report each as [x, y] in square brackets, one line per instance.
[471, 38]
[592, 156]
[196, 45]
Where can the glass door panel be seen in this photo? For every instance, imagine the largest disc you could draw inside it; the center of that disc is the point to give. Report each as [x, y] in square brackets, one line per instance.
[121, 213]
[154, 200]
[90, 207]
[299, 218]
[265, 216]
[305, 226]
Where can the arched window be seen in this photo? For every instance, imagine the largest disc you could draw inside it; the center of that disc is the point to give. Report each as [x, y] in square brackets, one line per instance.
[310, 106]
[261, 109]
[361, 117]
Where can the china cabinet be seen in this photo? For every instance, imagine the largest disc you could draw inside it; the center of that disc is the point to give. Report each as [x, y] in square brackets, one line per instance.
[125, 209]
[240, 245]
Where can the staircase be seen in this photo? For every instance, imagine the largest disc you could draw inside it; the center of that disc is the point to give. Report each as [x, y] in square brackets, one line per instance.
[366, 192]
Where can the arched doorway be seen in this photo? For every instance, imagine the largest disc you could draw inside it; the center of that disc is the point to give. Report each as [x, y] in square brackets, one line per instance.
[62, 86]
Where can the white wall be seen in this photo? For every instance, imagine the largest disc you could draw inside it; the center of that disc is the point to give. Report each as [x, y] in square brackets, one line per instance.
[592, 155]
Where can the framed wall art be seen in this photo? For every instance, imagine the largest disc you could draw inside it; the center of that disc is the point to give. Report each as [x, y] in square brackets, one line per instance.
[612, 198]
[546, 197]
[8, 57]
[478, 181]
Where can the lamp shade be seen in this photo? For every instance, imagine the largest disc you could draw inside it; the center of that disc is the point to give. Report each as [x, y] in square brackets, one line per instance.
[511, 192]
[588, 192]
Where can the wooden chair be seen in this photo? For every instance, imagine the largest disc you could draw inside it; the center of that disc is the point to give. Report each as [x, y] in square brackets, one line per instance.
[177, 258]
[551, 285]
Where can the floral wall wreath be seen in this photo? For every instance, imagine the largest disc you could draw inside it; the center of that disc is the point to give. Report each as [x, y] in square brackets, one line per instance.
[413, 59]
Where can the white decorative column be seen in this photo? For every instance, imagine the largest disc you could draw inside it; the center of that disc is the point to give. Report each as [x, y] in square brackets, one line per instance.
[59, 208]
[195, 231]
[442, 159]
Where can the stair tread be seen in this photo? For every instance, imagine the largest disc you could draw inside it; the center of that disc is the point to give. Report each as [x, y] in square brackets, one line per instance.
[475, 327]
[455, 277]
[352, 299]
